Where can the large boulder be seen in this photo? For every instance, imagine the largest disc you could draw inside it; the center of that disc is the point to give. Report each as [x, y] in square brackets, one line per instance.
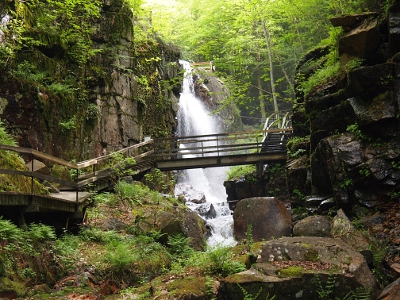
[296, 179]
[342, 228]
[361, 41]
[267, 217]
[303, 268]
[391, 292]
[172, 221]
[394, 24]
[313, 226]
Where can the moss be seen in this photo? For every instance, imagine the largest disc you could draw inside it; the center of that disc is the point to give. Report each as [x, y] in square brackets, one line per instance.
[311, 255]
[8, 286]
[293, 271]
[184, 286]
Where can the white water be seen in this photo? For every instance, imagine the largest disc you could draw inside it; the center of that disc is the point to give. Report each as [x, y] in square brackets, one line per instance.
[195, 119]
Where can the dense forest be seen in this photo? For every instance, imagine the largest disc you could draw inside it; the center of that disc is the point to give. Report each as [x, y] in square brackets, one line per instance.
[255, 45]
[81, 79]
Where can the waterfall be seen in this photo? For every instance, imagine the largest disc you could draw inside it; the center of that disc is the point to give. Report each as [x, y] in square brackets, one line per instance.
[195, 119]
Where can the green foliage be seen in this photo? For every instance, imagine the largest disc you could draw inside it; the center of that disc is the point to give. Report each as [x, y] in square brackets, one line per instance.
[66, 250]
[120, 166]
[353, 128]
[248, 296]
[395, 165]
[38, 233]
[9, 232]
[159, 181]
[217, 261]
[325, 73]
[69, 125]
[237, 172]
[179, 246]
[353, 64]
[5, 138]
[365, 172]
[325, 291]
[299, 194]
[249, 236]
[92, 111]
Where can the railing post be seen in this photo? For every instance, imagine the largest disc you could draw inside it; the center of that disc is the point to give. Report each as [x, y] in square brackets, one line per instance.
[32, 181]
[202, 149]
[217, 146]
[77, 188]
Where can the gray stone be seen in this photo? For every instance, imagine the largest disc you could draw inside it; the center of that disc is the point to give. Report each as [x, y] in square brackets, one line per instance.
[291, 267]
[313, 226]
[361, 41]
[267, 216]
[342, 228]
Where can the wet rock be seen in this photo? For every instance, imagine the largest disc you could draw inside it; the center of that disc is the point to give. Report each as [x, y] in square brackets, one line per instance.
[319, 203]
[206, 210]
[369, 82]
[189, 193]
[299, 267]
[332, 157]
[381, 107]
[361, 41]
[342, 228]
[391, 292]
[394, 24]
[297, 180]
[267, 216]
[184, 222]
[313, 226]
[349, 21]
[111, 224]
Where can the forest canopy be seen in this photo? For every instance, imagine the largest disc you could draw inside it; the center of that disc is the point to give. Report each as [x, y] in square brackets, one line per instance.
[254, 44]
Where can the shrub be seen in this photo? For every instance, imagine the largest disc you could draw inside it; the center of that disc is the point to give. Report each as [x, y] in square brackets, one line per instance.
[237, 172]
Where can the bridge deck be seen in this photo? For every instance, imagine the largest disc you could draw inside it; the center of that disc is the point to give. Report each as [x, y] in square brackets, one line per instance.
[63, 201]
[175, 153]
[218, 161]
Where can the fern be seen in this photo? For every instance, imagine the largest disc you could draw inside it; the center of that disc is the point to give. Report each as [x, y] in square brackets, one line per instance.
[247, 295]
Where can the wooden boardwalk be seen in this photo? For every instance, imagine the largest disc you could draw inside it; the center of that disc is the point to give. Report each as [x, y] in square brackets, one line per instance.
[175, 153]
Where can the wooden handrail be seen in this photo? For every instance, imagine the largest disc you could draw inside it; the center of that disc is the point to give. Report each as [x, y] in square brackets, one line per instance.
[158, 152]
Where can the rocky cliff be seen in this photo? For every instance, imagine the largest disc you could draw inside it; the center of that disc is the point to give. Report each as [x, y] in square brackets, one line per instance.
[127, 88]
[347, 127]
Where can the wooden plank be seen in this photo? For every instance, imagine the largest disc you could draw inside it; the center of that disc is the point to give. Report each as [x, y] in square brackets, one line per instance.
[38, 176]
[133, 147]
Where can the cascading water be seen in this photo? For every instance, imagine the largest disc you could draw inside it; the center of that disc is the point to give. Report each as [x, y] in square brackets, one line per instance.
[195, 119]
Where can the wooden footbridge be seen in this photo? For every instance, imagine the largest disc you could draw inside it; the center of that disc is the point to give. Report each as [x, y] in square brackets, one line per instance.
[174, 153]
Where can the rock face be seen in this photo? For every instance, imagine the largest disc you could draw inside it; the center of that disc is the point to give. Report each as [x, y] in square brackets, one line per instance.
[121, 100]
[352, 120]
[267, 216]
[212, 91]
[272, 182]
[302, 268]
[313, 226]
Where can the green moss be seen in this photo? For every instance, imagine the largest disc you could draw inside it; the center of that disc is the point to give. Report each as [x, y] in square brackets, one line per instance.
[184, 286]
[9, 286]
[293, 271]
[311, 255]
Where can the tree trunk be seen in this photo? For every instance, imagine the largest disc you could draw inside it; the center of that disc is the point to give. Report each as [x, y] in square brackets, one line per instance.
[271, 68]
[261, 99]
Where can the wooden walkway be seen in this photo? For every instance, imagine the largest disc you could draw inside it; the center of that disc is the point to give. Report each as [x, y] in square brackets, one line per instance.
[175, 153]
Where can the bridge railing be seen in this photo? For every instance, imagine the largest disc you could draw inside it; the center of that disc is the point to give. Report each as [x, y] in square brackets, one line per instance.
[82, 173]
[212, 144]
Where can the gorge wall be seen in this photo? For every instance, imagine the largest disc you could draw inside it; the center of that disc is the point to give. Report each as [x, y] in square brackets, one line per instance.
[127, 90]
[346, 149]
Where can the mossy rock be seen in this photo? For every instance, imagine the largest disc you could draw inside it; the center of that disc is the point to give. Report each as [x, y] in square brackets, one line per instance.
[293, 271]
[11, 289]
